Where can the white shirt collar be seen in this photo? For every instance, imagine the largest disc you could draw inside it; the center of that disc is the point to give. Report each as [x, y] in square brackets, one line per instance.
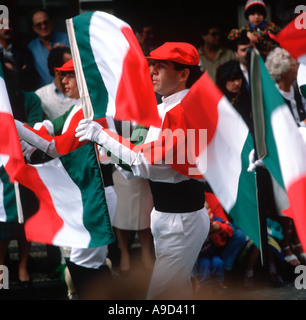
[171, 101]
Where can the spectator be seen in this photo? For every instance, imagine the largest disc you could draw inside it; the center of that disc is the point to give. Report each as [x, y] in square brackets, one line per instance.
[209, 266]
[42, 25]
[212, 53]
[242, 45]
[257, 29]
[231, 81]
[20, 57]
[283, 69]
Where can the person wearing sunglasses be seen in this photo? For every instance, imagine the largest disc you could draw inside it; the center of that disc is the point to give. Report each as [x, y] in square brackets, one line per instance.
[47, 38]
[212, 53]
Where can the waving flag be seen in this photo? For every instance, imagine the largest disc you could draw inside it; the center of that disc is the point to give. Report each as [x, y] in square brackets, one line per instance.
[10, 150]
[221, 157]
[286, 151]
[293, 39]
[225, 161]
[112, 72]
[72, 209]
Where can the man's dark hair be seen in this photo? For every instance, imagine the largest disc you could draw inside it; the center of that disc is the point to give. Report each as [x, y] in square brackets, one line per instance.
[55, 58]
[242, 40]
[194, 73]
[31, 14]
[205, 27]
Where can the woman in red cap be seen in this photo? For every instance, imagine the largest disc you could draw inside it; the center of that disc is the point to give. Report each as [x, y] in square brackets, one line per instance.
[85, 263]
[179, 221]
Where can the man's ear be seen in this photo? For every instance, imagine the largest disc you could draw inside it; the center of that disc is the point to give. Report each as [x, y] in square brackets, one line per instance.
[185, 74]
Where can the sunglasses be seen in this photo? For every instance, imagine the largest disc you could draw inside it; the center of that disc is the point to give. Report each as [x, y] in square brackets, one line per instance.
[43, 23]
[214, 34]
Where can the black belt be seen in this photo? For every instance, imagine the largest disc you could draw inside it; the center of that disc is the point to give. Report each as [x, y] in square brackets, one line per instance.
[185, 196]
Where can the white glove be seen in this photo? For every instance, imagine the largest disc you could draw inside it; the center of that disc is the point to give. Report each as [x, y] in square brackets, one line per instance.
[27, 149]
[93, 131]
[89, 130]
[31, 137]
[252, 163]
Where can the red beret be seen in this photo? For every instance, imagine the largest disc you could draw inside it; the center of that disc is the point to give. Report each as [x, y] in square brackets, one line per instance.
[180, 52]
[68, 66]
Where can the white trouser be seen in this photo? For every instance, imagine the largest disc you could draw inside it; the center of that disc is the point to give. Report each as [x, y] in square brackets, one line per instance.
[95, 257]
[178, 238]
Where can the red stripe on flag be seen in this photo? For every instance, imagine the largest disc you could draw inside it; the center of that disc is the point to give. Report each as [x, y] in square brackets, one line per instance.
[201, 106]
[46, 215]
[67, 142]
[297, 198]
[10, 145]
[135, 97]
[292, 37]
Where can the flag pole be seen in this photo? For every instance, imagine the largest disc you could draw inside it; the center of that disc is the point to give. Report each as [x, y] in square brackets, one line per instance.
[260, 151]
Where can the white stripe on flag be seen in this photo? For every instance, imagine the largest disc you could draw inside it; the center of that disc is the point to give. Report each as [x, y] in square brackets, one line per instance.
[224, 154]
[70, 210]
[2, 208]
[288, 141]
[82, 85]
[110, 64]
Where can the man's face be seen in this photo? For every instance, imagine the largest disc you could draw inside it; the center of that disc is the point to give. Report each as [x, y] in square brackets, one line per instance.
[42, 25]
[166, 80]
[241, 52]
[6, 35]
[212, 38]
[70, 84]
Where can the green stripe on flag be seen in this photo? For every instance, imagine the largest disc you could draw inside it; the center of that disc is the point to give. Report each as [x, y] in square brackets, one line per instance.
[272, 99]
[245, 210]
[257, 108]
[9, 197]
[95, 84]
[303, 90]
[84, 170]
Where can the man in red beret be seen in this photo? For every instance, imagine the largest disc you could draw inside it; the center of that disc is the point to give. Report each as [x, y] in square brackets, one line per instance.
[179, 221]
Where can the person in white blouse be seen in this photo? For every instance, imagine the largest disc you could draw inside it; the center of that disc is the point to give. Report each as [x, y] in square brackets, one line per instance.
[179, 220]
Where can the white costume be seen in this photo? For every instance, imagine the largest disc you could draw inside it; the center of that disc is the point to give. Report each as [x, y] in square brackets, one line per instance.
[53, 102]
[179, 221]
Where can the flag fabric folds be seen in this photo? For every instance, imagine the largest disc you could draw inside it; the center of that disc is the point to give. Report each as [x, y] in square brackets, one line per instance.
[225, 161]
[292, 38]
[10, 150]
[286, 151]
[8, 201]
[72, 210]
[112, 72]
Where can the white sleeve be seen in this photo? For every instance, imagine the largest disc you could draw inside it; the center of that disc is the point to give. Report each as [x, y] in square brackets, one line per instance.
[35, 140]
[138, 163]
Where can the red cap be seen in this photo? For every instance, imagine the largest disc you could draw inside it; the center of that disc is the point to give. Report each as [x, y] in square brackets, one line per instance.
[68, 66]
[180, 52]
